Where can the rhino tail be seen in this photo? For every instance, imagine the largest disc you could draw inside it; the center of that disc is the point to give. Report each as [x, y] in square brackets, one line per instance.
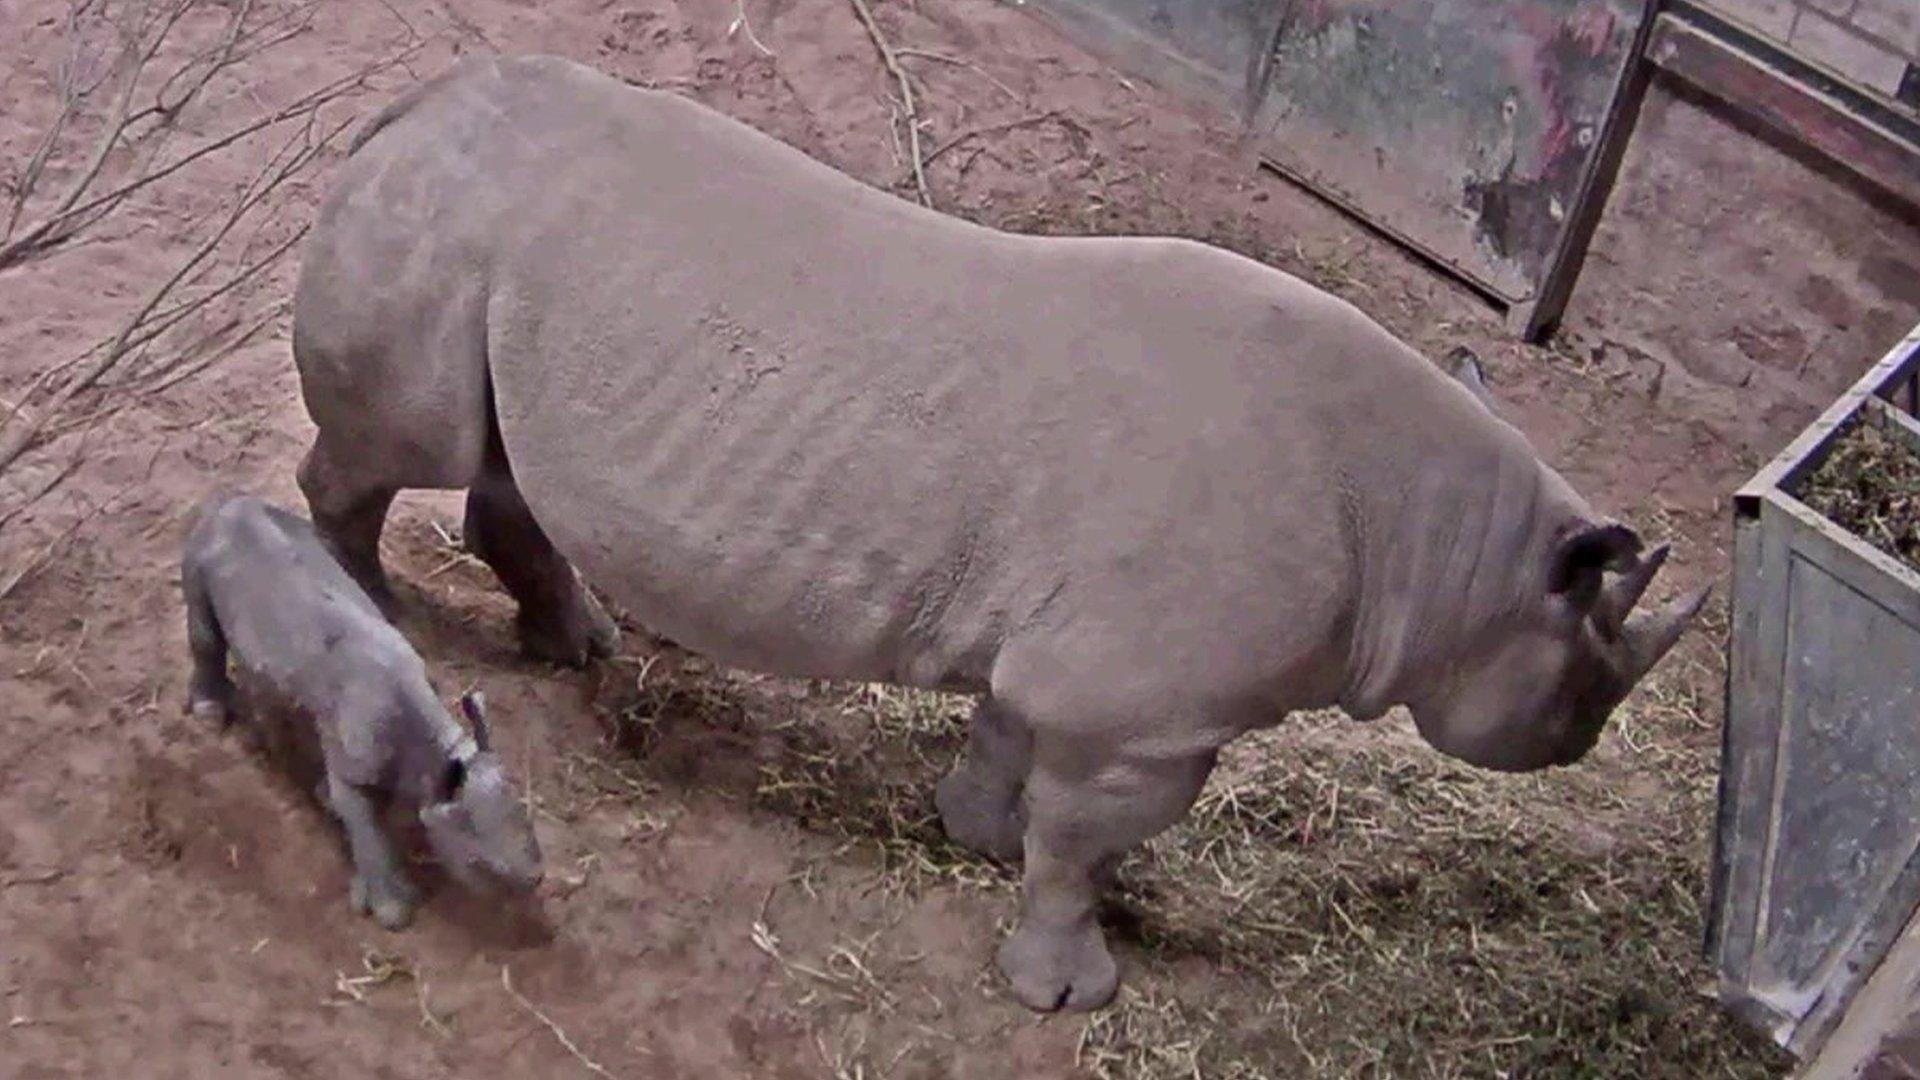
[405, 103]
[387, 114]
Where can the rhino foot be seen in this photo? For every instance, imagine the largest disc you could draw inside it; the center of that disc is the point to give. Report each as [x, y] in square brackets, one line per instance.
[212, 708]
[1050, 970]
[603, 635]
[388, 898]
[569, 643]
[979, 818]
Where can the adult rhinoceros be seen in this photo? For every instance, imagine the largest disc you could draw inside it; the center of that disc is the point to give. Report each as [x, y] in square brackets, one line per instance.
[1140, 494]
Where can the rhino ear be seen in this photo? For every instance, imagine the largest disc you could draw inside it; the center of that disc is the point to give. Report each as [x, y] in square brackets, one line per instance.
[1584, 555]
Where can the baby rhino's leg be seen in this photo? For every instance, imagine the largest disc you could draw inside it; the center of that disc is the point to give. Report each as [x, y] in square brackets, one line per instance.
[209, 691]
[379, 888]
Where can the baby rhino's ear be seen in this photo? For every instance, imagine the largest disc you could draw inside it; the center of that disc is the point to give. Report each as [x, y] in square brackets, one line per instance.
[473, 705]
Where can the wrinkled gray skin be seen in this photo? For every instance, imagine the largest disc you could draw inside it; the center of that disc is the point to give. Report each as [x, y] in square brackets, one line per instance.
[1141, 495]
[260, 587]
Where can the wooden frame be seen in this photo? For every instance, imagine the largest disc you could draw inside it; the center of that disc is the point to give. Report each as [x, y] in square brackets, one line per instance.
[1845, 126]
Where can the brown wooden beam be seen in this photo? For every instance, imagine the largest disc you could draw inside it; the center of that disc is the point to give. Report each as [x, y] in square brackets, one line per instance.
[1815, 119]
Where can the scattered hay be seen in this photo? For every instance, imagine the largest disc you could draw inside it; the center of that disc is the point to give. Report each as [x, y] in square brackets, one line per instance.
[1341, 901]
[1358, 907]
[1377, 912]
[1153, 1031]
[847, 975]
[870, 783]
[377, 970]
[1869, 485]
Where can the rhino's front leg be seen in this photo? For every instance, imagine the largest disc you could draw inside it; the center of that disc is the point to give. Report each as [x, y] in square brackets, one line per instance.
[379, 888]
[1085, 810]
[979, 802]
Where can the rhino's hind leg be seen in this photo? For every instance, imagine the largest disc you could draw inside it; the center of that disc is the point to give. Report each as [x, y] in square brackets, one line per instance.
[349, 513]
[979, 802]
[1087, 806]
[209, 691]
[559, 620]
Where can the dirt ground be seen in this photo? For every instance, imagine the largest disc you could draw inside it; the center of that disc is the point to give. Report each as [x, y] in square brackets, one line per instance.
[744, 874]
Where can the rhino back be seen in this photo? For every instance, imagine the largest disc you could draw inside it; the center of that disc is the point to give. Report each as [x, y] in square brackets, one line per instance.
[292, 616]
[808, 427]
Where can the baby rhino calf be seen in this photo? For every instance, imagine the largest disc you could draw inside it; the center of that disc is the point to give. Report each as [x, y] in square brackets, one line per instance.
[258, 582]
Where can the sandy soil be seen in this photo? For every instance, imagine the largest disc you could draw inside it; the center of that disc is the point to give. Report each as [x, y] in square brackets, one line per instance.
[744, 879]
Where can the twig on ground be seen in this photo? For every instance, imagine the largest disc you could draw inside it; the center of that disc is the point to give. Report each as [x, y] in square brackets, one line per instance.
[992, 129]
[44, 877]
[671, 85]
[506, 982]
[468, 27]
[740, 23]
[428, 1020]
[379, 971]
[955, 61]
[412, 33]
[128, 159]
[32, 565]
[892, 62]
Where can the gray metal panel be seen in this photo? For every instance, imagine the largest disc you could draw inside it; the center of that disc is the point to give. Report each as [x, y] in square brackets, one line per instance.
[1846, 805]
[1473, 131]
[1844, 821]
[1757, 648]
[1817, 848]
[1204, 49]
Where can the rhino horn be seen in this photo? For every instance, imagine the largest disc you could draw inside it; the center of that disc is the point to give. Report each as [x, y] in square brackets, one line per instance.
[1616, 601]
[1650, 635]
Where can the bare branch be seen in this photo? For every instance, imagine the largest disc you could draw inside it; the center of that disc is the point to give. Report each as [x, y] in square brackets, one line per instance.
[994, 129]
[71, 96]
[34, 563]
[956, 61]
[892, 63]
[53, 484]
[20, 434]
[204, 309]
[76, 210]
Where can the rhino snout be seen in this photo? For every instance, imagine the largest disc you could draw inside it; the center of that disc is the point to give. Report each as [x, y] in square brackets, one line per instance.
[1509, 744]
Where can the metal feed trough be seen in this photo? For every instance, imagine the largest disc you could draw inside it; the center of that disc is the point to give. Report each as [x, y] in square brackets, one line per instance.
[1816, 869]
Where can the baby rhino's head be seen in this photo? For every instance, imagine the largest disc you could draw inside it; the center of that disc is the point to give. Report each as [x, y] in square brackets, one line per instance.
[480, 831]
